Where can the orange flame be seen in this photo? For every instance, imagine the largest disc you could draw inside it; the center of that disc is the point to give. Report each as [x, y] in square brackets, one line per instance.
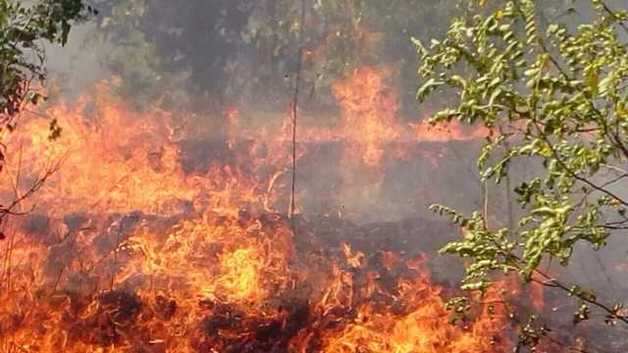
[132, 252]
[369, 113]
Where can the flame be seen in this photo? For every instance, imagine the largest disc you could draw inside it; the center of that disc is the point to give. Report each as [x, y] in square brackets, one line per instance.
[414, 319]
[370, 119]
[369, 113]
[122, 162]
[130, 251]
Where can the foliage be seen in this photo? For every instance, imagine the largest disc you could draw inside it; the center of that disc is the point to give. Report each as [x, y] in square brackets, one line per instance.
[555, 97]
[22, 57]
[165, 46]
[23, 30]
[341, 35]
[226, 50]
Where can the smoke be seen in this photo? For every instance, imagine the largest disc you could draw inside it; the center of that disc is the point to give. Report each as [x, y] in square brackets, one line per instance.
[223, 72]
[79, 64]
[203, 57]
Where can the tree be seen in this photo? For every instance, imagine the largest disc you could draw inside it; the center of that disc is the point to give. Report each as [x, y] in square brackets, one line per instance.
[228, 50]
[554, 95]
[23, 29]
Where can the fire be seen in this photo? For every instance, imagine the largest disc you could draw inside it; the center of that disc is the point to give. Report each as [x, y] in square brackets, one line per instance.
[128, 250]
[445, 132]
[122, 161]
[412, 318]
[372, 127]
[369, 111]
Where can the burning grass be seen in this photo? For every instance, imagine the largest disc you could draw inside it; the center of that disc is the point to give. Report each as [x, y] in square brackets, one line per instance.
[226, 284]
[128, 252]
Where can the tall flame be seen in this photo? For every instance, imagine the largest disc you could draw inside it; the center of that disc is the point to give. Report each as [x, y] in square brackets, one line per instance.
[130, 252]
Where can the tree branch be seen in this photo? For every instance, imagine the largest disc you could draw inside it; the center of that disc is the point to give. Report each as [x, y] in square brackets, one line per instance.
[614, 15]
[574, 174]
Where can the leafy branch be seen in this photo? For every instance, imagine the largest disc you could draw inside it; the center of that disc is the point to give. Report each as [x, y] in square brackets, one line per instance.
[555, 100]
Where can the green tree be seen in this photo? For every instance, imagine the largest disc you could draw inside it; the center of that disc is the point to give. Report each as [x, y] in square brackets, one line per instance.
[554, 95]
[24, 27]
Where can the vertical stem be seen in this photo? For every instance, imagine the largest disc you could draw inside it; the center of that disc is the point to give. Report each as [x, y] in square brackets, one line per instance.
[485, 207]
[509, 210]
[8, 261]
[10, 247]
[294, 112]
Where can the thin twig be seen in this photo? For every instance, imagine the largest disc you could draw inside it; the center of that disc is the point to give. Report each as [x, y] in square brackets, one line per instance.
[294, 111]
[554, 283]
[574, 174]
[614, 15]
[33, 189]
